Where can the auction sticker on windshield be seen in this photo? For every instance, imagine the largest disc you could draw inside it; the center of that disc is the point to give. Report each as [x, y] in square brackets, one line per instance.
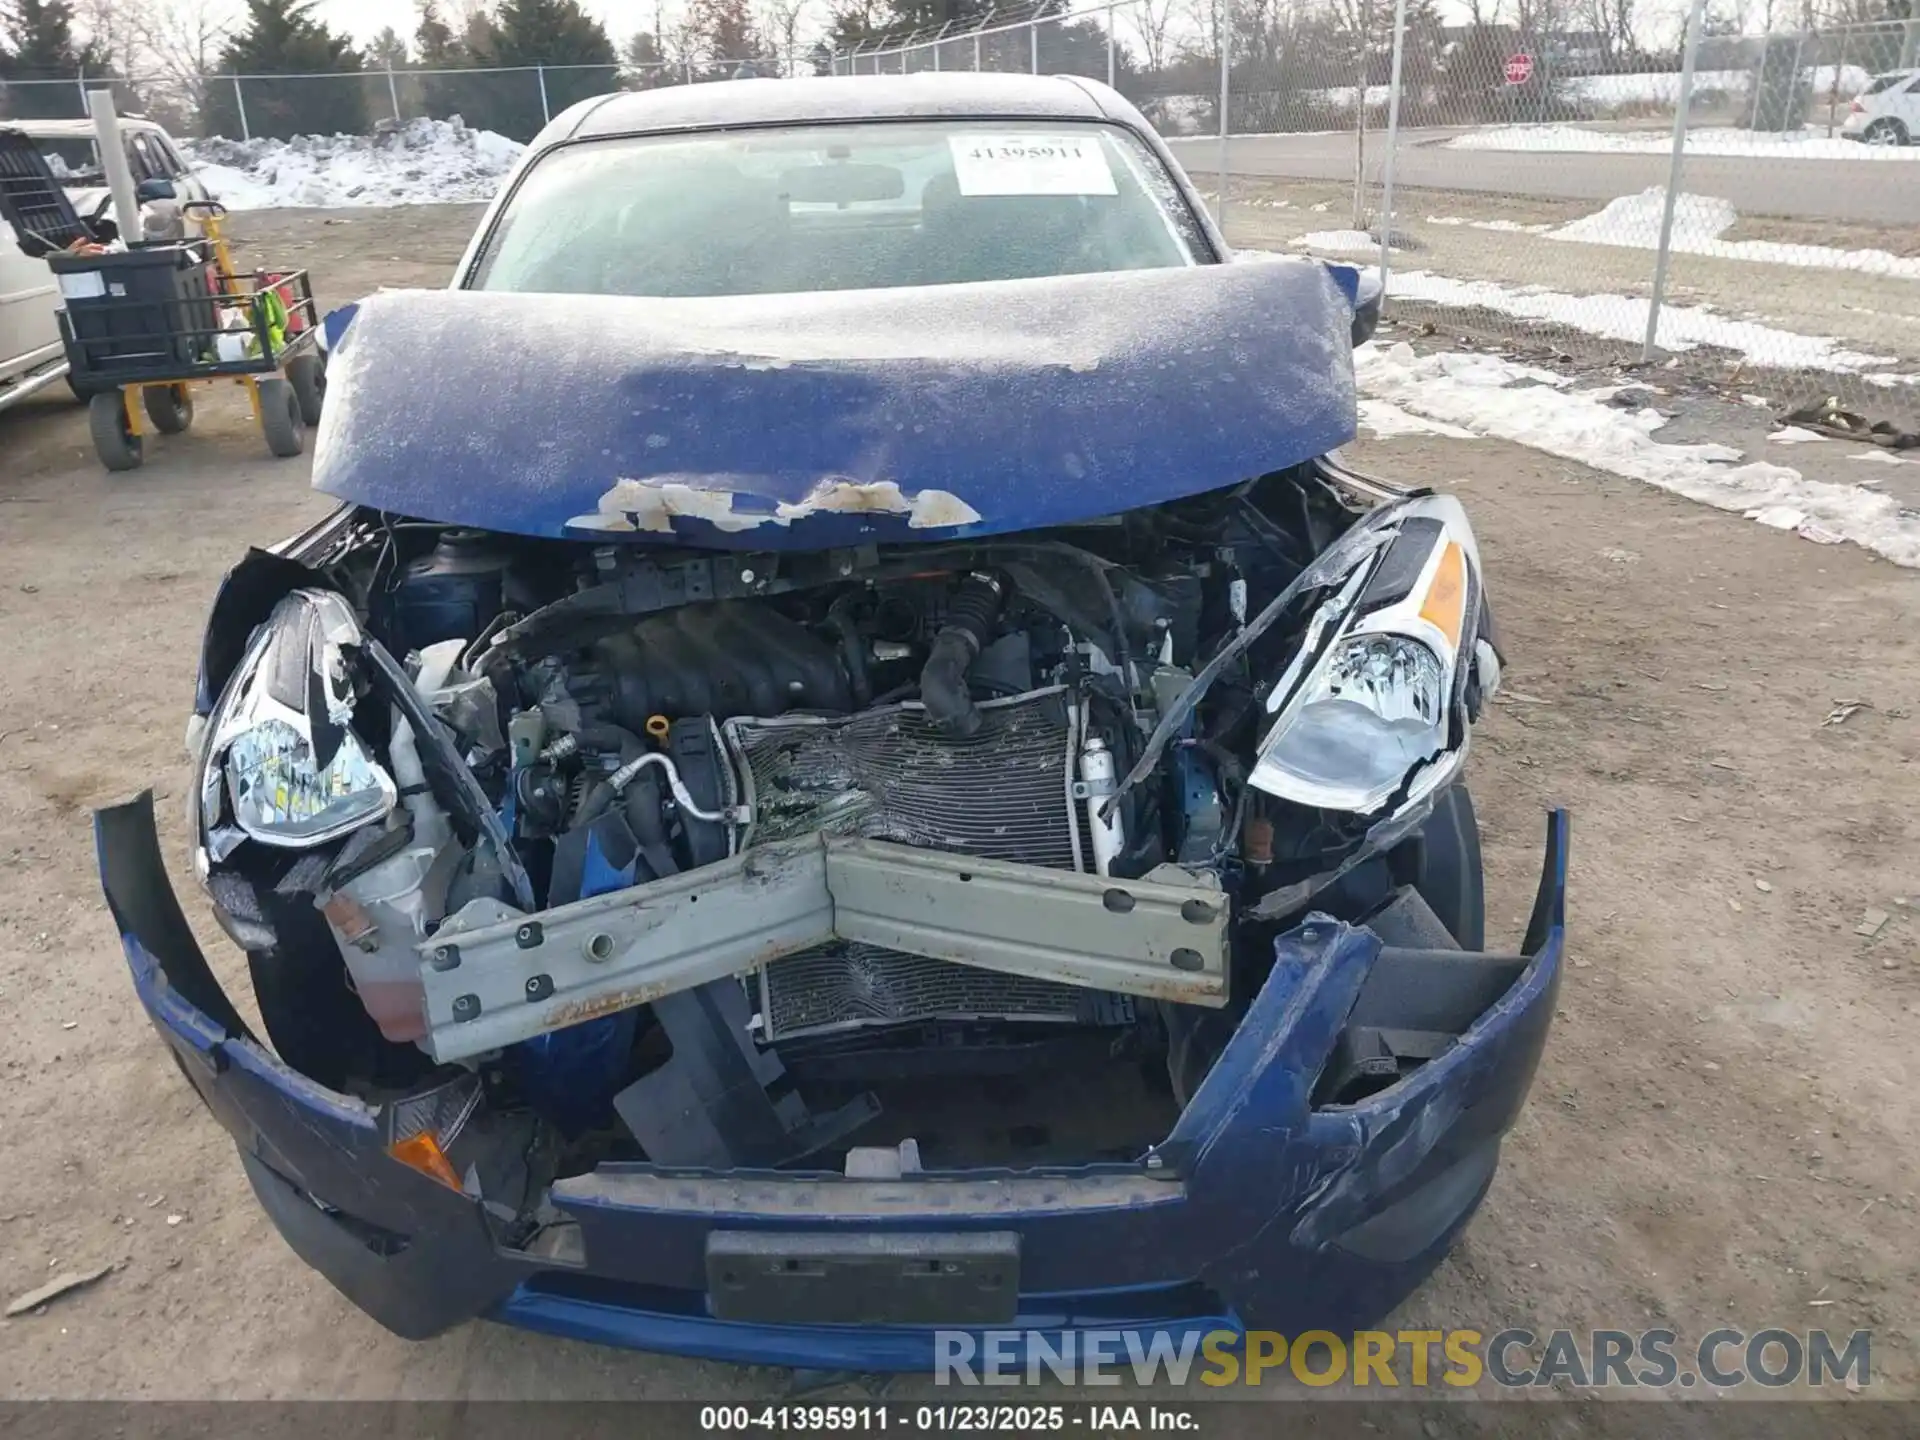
[1030, 165]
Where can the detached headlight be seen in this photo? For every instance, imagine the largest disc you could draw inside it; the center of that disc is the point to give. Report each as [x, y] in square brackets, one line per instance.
[296, 775]
[1370, 711]
[282, 796]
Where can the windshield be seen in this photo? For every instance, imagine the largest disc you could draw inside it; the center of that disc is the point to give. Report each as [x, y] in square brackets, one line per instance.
[838, 207]
[70, 158]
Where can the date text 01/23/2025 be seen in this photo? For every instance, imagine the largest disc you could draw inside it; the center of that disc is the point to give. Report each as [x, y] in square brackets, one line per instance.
[945, 1419]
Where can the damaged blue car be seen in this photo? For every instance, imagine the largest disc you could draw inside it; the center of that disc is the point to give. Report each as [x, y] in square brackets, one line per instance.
[850, 766]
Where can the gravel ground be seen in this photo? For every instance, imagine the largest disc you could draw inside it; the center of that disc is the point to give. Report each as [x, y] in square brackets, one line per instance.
[1721, 1132]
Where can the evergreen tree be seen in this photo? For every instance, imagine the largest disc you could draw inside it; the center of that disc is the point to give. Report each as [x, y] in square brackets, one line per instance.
[281, 37]
[550, 33]
[443, 93]
[36, 44]
[1079, 47]
[725, 38]
[851, 23]
[646, 65]
[854, 21]
[435, 40]
[387, 51]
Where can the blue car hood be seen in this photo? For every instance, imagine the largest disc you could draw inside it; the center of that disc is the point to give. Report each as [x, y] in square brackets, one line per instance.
[807, 421]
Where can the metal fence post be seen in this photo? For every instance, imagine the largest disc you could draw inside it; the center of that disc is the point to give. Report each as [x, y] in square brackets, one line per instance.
[546, 113]
[1360, 121]
[1109, 47]
[1033, 43]
[240, 104]
[393, 95]
[1833, 90]
[976, 52]
[1695, 16]
[1393, 140]
[1226, 72]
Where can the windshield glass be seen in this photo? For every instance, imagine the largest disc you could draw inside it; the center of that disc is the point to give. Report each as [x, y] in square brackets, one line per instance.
[70, 158]
[838, 207]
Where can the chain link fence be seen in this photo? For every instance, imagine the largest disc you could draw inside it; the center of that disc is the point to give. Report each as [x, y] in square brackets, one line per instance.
[1734, 204]
[514, 102]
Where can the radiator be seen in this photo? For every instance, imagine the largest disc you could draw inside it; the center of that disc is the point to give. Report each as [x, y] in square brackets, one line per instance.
[888, 774]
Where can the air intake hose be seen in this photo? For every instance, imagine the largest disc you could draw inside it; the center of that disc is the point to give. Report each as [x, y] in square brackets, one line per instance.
[971, 614]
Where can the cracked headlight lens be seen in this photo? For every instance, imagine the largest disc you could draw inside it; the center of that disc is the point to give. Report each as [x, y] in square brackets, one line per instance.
[1371, 715]
[1373, 710]
[282, 797]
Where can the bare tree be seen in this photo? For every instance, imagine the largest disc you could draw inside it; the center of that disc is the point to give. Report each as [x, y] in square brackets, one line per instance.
[109, 25]
[783, 22]
[174, 42]
[1204, 16]
[1613, 21]
[1152, 19]
[1538, 18]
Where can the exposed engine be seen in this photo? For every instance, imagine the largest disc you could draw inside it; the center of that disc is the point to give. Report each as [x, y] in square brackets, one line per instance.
[773, 732]
[943, 708]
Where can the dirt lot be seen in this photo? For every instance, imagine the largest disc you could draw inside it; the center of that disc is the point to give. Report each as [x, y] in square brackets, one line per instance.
[1722, 1131]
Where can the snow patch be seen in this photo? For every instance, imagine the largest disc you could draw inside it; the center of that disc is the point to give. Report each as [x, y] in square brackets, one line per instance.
[1344, 240]
[1389, 422]
[1795, 435]
[424, 162]
[1633, 221]
[1720, 140]
[1509, 227]
[1623, 317]
[1499, 398]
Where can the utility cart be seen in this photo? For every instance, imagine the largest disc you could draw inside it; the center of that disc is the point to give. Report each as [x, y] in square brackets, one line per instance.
[145, 325]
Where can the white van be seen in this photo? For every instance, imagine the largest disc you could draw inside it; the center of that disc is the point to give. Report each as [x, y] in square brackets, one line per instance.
[31, 356]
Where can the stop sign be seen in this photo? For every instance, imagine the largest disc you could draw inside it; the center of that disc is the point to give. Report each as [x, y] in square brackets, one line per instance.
[1519, 69]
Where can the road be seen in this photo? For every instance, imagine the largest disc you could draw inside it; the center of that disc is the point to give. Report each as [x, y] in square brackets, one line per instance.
[1883, 193]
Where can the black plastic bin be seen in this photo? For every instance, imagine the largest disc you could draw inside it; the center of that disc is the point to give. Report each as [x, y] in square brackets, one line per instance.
[32, 201]
[137, 312]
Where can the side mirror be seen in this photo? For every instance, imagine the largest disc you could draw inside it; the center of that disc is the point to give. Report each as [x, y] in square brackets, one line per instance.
[1366, 306]
[147, 191]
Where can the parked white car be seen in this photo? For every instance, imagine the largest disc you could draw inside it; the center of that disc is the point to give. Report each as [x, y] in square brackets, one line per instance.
[1887, 112]
[30, 352]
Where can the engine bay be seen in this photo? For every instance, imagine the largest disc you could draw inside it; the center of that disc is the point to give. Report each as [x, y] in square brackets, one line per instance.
[585, 740]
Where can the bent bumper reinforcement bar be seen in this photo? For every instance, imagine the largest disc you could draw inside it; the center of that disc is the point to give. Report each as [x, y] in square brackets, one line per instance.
[494, 976]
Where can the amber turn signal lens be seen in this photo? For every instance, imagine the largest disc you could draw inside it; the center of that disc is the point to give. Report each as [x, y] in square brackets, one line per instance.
[423, 1153]
[1445, 607]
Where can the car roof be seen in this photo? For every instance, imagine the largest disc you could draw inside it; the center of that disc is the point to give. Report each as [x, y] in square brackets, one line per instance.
[834, 98]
